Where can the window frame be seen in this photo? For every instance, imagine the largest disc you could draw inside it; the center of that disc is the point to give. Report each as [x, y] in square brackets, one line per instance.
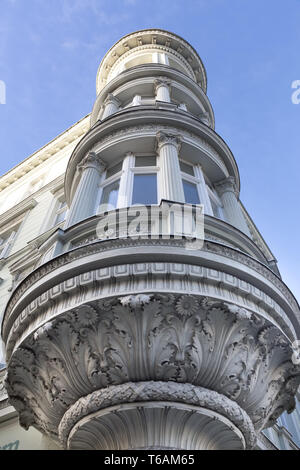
[216, 200]
[8, 242]
[61, 207]
[143, 170]
[106, 182]
[191, 179]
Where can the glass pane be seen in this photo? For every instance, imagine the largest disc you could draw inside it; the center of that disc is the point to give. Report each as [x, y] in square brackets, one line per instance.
[145, 161]
[190, 192]
[114, 169]
[110, 194]
[4, 239]
[186, 168]
[144, 189]
[215, 208]
[61, 205]
[60, 216]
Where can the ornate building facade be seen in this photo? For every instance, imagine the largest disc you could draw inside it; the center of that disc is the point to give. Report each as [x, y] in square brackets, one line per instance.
[141, 307]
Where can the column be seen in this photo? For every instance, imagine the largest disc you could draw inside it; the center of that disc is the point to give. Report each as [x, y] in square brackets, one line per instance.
[204, 197]
[204, 117]
[162, 89]
[233, 213]
[111, 105]
[171, 187]
[136, 100]
[182, 106]
[84, 200]
[126, 180]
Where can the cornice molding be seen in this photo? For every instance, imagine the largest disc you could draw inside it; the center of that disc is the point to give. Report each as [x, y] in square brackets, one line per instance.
[253, 293]
[157, 39]
[17, 211]
[45, 153]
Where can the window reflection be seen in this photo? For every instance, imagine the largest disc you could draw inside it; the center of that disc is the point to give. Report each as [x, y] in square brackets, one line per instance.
[190, 192]
[144, 189]
[110, 194]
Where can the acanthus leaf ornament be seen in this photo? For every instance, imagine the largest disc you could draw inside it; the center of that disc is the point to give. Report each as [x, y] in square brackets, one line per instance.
[182, 338]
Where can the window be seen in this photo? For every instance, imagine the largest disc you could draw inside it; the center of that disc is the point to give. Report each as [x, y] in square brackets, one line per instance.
[110, 194]
[216, 204]
[61, 212]
[190, 183]
[113, 170]
[144, 188]
[190, 192]
[6, 241]
[144, 181]
[109, 188]
[186, 168]
[215, 208]
[145, 161]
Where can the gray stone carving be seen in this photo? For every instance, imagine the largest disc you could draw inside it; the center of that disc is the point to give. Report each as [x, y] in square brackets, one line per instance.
[161, 337]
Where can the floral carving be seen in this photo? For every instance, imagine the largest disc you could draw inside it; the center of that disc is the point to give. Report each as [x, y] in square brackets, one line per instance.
[160, 337]
[186, 305]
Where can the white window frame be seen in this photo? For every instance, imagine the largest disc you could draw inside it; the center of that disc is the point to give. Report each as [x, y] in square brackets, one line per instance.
[144, 170]
[215, 198]
[191, 179]
[106, 181]
[60, 209]
[126, 177]
[8, 242]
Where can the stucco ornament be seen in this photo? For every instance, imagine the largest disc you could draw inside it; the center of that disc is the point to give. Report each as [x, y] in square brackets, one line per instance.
[186, 339]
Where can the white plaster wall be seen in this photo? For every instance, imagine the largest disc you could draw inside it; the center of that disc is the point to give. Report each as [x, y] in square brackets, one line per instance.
[33, 223]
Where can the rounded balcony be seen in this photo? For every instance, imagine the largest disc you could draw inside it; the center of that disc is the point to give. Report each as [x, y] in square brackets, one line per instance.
[147, 325]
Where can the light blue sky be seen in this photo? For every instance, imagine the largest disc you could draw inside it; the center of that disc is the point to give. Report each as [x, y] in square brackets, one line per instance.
[50, 51]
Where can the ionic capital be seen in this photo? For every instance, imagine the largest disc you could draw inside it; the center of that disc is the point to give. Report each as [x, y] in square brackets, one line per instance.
[162, 81]
[111, 99]
[168, 139]
[91, 160]
[226, 185]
